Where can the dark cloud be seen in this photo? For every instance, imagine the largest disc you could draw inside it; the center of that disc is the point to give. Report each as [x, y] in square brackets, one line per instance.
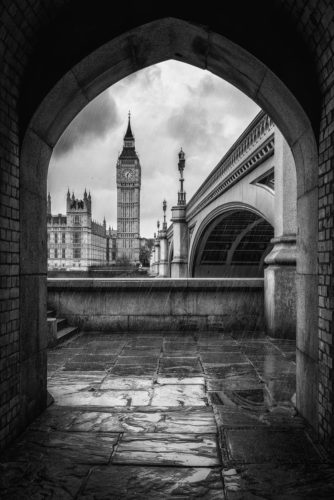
[207, 86]
[191, 126]
[95, 121]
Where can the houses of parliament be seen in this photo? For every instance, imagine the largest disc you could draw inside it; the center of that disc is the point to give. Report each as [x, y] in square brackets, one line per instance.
[76, 241]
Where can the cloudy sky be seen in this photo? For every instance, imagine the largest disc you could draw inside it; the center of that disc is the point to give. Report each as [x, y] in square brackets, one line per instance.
[172, 104]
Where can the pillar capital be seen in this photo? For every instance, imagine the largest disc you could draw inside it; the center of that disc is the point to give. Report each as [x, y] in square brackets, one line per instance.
[178, 213]
[283, 252]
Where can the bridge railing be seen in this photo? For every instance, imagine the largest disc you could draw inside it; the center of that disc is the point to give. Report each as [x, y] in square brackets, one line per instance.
[255, 135]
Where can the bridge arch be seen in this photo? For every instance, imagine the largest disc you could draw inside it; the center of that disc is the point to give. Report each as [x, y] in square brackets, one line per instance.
[133, 49]
[251, 218]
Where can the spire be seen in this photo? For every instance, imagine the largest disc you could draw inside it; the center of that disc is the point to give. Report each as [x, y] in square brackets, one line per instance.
[49, 205]
[129, 135]
[164, 208]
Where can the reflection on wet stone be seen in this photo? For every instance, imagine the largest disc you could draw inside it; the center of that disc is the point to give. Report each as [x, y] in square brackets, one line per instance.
[165, 415]
[154, 483]
[176, 449]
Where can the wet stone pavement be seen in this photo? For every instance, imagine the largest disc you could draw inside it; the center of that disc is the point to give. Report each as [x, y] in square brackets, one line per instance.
[168, 416]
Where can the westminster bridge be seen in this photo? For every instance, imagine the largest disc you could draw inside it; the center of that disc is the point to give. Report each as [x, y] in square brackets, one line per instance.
[240, 223]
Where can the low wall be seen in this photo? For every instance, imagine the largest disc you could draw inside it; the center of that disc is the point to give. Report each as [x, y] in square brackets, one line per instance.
[159, 304]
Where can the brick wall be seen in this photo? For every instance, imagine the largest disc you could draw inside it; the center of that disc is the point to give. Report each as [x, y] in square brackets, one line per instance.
[315, 22]
[21, 22]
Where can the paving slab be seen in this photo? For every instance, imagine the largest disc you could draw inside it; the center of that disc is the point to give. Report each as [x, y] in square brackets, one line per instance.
[179, 366]
[263, 445]
[141, 351]
[111, 382]
[145, 342]
[238, 418]
[41, 479]
[220, 348]
[230, 371]
[133, 370]
[183, 347]
[102, 398]
[280, 481]
[87, 366]
[179, 395]
[246, 381]
[79, 447]
[70, 383]
[222, 358]
[195, 380]
[189, 450]
[137, 360]
[154, 483]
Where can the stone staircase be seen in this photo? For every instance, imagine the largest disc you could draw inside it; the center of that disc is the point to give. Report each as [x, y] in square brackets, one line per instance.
[58, 329]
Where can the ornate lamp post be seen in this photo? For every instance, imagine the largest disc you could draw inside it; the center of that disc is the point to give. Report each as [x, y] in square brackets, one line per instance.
[179, 266]
[182, 163]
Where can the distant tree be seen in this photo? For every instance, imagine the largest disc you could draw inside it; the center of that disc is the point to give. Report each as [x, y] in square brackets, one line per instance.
[123, 261]
[145, 252]
[144, 256]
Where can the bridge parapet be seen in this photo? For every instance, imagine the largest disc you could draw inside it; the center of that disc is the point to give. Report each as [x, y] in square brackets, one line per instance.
[254, 146]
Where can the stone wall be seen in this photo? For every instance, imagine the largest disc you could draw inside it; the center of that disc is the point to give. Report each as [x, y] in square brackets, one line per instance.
[153, 304]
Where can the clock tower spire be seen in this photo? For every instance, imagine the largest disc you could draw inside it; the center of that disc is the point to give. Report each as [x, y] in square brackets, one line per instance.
[128, 199]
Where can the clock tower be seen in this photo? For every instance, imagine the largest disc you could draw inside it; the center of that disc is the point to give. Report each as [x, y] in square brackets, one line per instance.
[128, 200]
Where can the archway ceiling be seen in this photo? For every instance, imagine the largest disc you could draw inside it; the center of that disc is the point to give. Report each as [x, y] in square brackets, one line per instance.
[76, 30]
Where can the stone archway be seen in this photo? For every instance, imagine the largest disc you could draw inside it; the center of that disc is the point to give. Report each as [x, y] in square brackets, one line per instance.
[168, 38]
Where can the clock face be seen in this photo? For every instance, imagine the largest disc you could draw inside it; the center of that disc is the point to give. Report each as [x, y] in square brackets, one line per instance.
[128, 174]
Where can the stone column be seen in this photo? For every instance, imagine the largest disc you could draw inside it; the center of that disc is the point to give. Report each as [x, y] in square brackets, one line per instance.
[152, 258]
[179, 265]
[156, 255]
[280, 273]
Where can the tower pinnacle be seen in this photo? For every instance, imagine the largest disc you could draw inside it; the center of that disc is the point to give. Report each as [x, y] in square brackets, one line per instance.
[129, 135]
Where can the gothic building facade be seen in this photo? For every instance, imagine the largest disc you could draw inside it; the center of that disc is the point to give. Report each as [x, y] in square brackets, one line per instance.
[77, 242]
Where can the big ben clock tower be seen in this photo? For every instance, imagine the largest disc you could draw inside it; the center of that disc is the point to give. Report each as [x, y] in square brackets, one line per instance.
[128, 200]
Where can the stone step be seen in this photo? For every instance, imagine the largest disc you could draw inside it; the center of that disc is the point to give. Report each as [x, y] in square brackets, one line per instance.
[61, 323]
[66, 333]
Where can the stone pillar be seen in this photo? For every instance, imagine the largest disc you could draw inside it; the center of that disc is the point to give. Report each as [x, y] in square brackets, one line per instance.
[163, 264]
[152, 258]
[179, 265]
[156, 255]
[280, 273]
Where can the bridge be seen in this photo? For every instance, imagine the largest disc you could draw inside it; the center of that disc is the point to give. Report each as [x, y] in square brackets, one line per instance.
[240, 223]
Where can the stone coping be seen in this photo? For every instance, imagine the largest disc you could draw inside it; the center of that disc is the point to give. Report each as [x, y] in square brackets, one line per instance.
[156, 283]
